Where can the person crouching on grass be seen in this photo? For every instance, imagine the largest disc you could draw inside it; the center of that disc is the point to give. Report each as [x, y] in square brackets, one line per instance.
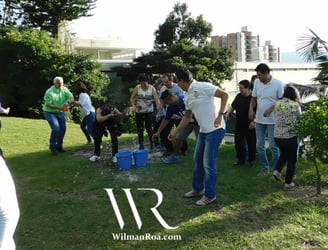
[200, 101]
[107, 119]
[175, 111]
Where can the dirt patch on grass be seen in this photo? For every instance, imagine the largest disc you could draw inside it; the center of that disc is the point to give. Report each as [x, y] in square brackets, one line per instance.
[307, 193]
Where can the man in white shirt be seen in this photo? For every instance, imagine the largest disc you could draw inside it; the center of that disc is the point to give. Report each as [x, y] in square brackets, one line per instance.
[266, 92]
[9, 209]
[200, 101]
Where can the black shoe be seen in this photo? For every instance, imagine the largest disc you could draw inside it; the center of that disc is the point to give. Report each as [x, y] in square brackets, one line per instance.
[238, 163]
[60, 150]
[252, 164]
[54, 151]
[184, 153]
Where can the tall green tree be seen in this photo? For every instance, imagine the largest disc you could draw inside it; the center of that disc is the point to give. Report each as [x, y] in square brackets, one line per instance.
[47, 15]
[182, 41]
[30, 60]
[180, 25]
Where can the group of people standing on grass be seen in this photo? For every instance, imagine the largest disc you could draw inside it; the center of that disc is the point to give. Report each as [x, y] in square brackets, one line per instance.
[168, 98]
[95, 122]
[267, 110]
[264, 109]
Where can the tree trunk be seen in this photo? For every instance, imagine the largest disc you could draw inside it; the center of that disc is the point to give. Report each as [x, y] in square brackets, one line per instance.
[316, 164]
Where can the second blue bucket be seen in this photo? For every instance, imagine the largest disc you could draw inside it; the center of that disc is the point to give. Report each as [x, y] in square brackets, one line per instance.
[140, 157]
[124, 160]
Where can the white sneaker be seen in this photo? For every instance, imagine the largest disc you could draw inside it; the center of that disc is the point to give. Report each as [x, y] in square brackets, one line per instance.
[94, 158]
[205, 201]
[114, 160]
[276, 175]
[193, 194]
[292, 184]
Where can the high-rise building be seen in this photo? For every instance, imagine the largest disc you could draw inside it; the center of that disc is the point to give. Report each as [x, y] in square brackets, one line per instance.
[245, 46]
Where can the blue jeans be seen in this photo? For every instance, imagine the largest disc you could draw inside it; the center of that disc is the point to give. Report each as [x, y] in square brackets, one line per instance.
[57, 124]
[87, 125]
[261, 131]
[206, 152]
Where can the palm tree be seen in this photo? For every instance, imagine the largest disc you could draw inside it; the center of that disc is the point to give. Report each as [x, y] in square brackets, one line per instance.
[312, 127]
[313, 48]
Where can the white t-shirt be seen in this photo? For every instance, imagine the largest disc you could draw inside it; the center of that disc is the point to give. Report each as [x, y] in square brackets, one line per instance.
[200, 99]
[86, 106]
[267, 95]
[9, 209]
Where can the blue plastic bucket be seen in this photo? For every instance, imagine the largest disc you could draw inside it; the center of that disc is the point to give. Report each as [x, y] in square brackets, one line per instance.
[124, 160]
[140, 157]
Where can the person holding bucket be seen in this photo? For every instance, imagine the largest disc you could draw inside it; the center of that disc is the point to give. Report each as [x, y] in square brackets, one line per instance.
[107, 119]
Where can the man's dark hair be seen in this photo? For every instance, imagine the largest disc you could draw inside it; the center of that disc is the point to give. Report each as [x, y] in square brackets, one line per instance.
[184, 75]
[263, 68]
[169, 76]
[166, 94]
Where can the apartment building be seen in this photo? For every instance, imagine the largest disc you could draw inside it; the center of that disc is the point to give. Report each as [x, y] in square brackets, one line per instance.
[245, 46]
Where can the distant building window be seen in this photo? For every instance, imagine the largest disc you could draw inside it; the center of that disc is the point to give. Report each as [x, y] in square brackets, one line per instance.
[104, 54]
[121, 56]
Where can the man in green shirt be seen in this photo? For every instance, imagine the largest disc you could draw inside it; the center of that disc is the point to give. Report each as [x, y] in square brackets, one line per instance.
[56, 101]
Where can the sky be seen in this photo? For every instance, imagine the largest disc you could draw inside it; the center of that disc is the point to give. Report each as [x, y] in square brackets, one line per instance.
[281, 21]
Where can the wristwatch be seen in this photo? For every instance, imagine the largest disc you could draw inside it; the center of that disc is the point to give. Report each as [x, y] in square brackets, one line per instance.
[221, 113]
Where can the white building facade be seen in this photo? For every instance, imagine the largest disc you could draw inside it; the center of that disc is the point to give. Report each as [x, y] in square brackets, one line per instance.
[300, 73]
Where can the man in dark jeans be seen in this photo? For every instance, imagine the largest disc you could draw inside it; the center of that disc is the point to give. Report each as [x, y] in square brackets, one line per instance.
[173, 87]
[175, 113]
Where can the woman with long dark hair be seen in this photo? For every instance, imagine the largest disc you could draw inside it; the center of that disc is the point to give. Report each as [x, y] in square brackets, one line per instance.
[88, 111]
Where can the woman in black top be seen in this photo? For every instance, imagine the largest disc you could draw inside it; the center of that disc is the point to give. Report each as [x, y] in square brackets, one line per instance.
[245, 138]
[107, 120]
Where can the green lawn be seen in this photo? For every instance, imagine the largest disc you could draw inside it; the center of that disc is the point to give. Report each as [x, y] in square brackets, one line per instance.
[64, 204]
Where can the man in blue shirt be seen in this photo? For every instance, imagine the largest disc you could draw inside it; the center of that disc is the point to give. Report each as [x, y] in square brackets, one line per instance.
[175, 112]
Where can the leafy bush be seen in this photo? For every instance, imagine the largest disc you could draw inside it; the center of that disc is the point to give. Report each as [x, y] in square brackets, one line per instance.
[313, 129]
[30, 60]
